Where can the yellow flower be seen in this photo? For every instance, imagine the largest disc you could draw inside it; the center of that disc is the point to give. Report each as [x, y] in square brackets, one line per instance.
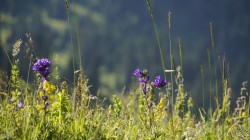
[39, 107]
[59, 94]
[49, 88]
[159, 113]
[52, 97]
[41, 93]
[160, 106]
[243, 113]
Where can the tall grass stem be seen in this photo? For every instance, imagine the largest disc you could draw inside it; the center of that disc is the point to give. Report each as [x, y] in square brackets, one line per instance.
[202, 85]
[5, 51]
[78, 36]
[71, 39]
[210, 81]
[180, 53]
[171, 67]
[214, 60]
[157, 36]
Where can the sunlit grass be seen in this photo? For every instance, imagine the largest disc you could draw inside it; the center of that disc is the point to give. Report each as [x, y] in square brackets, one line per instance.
[128, 117]
[50, 108]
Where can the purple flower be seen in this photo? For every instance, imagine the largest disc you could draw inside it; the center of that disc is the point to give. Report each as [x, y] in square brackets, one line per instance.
[20, 105]
[42, 66]
[140, 73]
[46, 104]
[143, 79]
[159, 82]
[45, 98]
[10, 99]
[144, 88]
[150, 104]
[137, 73]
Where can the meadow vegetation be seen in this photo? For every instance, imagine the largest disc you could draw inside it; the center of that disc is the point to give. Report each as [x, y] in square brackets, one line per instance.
[48, 107]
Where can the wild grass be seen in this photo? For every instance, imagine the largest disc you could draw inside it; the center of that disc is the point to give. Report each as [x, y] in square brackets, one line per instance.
[48, 109]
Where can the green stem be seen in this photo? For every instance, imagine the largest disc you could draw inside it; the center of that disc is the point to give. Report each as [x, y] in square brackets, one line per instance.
[71, 38]
[210, 82]
[215, 69]
[180, 53]
[78, 37]
[157, 36]
[171, 66]
[6, 53]
[202, 85]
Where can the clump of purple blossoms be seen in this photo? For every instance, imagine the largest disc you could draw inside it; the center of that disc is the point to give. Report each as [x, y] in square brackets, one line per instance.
[159, 83]
[142, 78]
[42, 66]
[141, 75]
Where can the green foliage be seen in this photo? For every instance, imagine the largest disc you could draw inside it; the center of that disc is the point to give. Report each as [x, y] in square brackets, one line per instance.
[56, 111]
[118, 108]
[15, 82]
[63, 116]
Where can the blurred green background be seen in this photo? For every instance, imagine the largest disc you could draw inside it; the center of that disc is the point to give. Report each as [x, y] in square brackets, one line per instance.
[117, 36]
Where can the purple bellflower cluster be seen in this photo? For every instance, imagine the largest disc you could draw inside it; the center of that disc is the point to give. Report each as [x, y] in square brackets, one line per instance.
[42, 66]
[143, 78]
[159, 83]
[141, 75]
